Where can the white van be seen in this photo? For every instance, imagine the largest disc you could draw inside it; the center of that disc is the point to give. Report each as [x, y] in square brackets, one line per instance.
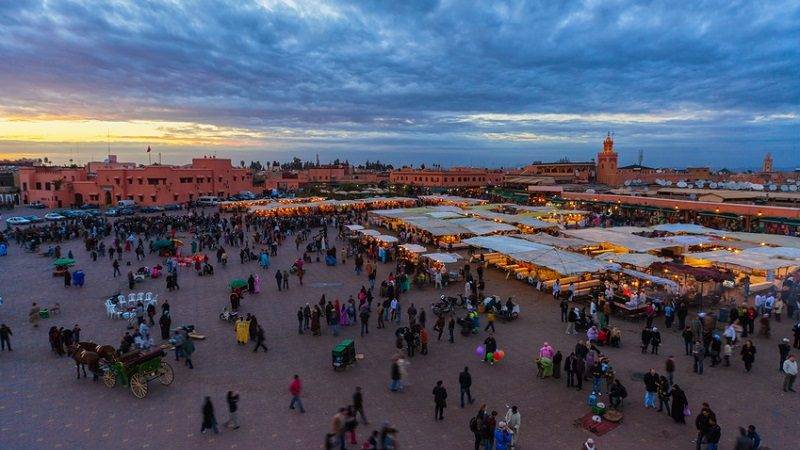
[126, 204]
[208, 200]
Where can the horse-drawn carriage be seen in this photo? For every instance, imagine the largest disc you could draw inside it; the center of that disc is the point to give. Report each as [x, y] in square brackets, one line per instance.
[137, 369]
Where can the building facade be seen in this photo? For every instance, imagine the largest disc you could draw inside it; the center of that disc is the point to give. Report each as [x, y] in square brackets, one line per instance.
[456, 177]
[108, 182]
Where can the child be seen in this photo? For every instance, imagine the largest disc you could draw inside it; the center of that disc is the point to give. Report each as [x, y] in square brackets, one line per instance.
[728, 351]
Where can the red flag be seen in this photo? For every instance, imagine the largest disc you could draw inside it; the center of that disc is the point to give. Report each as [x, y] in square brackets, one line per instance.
[148, 149]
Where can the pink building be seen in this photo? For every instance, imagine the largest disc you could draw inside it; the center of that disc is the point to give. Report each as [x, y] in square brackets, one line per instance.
[109, 182]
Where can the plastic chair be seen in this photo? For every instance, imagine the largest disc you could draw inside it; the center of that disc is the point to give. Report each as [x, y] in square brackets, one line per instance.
[132, 298]
[140, 297]
[121, 298]
[148, 297]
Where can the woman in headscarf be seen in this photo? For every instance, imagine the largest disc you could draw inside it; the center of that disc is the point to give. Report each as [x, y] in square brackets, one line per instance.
[679, 403]
[257, 283]
[251, 284]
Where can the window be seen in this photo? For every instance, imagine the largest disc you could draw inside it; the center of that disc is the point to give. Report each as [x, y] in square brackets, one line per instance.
[130, 180]
[47, 186]
[38, 186]
[140, 180]
[199, 180]
[219, 179]
[141, 198]
[153, 198]
[24, 186]
[116, 180]
[174, 197]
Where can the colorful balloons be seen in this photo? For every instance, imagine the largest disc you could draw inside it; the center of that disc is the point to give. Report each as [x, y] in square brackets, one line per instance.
[480, 350]
[490, 357]
[498, 355]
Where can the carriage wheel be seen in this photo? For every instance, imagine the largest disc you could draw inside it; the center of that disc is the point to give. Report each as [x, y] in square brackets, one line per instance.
[110, 378]
[167, 374]
[139, 385]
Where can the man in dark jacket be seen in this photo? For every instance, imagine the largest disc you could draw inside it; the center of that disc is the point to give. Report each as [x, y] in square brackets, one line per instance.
[358, 405]
[260, 340]
[702, 424]
[713, 434]
[440, 400]
[465, 381]
[569, 368]
[651, 386]
[5, 341]
[646, 336]
[233, 400]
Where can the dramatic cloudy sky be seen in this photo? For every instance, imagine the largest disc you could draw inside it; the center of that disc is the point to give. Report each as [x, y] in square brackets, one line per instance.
[453, 82]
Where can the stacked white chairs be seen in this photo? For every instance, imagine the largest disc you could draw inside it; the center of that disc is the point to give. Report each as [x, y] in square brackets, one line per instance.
[140, 297]
[132, 298]
[148, 297]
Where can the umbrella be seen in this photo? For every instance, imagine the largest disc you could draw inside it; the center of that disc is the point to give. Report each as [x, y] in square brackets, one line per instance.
[64, 262]
[237, 283]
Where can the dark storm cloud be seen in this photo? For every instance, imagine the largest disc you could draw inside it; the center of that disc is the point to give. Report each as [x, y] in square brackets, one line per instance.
[468, 76]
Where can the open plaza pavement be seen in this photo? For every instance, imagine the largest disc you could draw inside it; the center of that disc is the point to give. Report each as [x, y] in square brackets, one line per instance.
[43, 405]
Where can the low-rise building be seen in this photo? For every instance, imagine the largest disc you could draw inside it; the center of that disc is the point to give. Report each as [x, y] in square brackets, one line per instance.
[456, 177]
[109, 182]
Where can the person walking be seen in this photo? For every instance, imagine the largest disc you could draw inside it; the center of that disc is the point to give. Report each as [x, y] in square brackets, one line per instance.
[5, 337]
[789, 373]
[465, 383]
[295, 389]
[279, 279]
[669, 367]
[165, 322]
[364, 317]
[209, 421]
[699, 354]
[260, 340]
[439, 400]
[783, 350]
[115, 265]
[358, 405]
[300, 320]
[489, 321]
[396, 384]
[651, 387]
[713, 435]
[701, 423]
[233, 418]
[187, 348]
[748, 355]
[451, 325]
[513, 420]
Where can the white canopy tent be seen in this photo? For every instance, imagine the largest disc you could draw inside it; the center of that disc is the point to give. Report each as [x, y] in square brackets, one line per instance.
[671, 285]
[641, 260]
[444, 258]
[481, 227]
[743, 259]
[386, 238]
[555, 241]
[685, 228]
[370, 232]
[414, 248]
[353, 227]
[504, 244]
[630, 242]
[563, 262]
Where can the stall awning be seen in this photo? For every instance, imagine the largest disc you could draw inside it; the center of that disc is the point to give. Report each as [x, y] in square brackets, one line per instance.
[353, 227]
[563, 262]
[370, 232]
[641, 260]
[671, 285]
[386, 238]
[504, 244]
[622, 239]
[684, 228]
[698, 273]
[444, 258]
[556, 241]
[414, 248]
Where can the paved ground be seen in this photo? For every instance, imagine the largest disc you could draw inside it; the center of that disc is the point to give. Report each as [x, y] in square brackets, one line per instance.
[42, 405]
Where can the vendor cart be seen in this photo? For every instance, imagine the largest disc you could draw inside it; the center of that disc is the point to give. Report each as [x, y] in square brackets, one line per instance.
[344, 354]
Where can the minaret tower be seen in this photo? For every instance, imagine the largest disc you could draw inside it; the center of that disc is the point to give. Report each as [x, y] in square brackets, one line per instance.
[607, 163]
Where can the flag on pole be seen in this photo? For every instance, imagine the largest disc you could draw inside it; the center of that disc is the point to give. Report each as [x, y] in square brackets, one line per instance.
[148, 149]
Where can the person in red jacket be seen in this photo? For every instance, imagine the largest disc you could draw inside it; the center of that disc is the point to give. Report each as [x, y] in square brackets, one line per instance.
[295, 388]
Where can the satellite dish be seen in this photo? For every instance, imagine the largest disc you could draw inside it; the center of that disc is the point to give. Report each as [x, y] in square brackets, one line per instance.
[790, 180]
[758, 187]
[681, 184]
[627, 182]
[713, 185]
[793, 188]
[700, 184]
[784, 188]
[773, 187]
[669, 183]
[590, 191]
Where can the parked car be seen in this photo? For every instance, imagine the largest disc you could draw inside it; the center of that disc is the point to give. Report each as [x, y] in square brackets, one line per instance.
[90, 206]
[36, 206]
[33, 219]
[151, 209]
[54, 216]
[17, 221]
[126, 211]
[173, 207]
[112, 212]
